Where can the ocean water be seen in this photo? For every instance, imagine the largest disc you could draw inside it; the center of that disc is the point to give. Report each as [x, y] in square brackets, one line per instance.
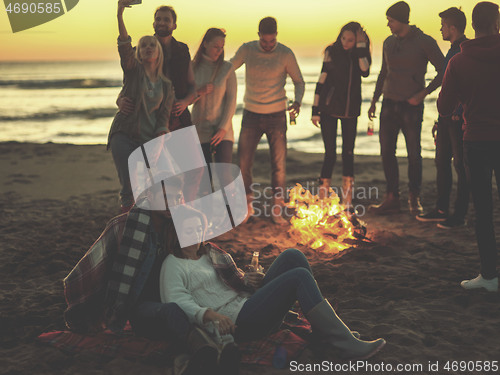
[74, 102]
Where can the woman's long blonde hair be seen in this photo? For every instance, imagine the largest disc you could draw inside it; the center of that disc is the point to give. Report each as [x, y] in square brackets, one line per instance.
[158, 66]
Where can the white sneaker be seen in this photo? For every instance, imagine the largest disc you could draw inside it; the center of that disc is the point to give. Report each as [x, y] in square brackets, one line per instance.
[480, 282]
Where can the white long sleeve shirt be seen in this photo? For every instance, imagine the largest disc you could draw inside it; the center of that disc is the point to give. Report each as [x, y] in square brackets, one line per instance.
[265, 76]
[195, 286]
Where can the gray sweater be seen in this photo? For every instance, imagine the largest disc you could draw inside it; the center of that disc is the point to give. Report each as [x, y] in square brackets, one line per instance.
[405, 63]
[265, 76]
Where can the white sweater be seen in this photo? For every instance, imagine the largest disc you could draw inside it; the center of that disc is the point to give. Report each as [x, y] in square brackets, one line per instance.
[214, 111]
[265, 76]
[195, 286]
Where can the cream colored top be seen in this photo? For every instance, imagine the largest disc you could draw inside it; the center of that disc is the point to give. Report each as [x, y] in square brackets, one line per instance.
[195, 286]
[265, 76]
[215, 111]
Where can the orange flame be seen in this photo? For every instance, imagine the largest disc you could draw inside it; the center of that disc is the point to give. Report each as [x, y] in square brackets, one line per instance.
[319, 223]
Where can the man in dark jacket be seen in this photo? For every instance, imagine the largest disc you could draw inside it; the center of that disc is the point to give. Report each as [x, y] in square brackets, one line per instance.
[177, 67]
[449, 141]
[472, 79]
[406, 54]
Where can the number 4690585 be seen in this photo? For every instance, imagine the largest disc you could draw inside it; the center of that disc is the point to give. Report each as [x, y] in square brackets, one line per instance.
[33, 8]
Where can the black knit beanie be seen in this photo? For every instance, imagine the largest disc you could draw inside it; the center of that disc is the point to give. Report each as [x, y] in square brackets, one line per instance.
[399, 11]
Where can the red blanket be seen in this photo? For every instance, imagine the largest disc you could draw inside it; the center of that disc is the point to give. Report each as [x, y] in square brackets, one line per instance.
[109, 344]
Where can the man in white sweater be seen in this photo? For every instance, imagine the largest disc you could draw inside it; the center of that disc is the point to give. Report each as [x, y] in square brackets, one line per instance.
[267, 65]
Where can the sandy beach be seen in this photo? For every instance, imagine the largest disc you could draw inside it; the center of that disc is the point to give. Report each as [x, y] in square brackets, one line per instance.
[55, 200]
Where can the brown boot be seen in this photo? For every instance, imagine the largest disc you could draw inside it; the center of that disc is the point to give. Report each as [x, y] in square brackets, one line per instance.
[414, 204]
[347, 191]
[389, 206]
[324, 187]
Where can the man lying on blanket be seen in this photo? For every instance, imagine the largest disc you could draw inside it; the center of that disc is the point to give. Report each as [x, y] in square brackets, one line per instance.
[118, 280]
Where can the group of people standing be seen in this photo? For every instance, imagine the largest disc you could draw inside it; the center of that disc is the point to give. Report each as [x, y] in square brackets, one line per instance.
[467, 131]
[468, 127]
[161, 81]
[149, 105]
[137, 271]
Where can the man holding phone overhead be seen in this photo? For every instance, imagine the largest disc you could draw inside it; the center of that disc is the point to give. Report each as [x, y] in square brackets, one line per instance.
[177, 67]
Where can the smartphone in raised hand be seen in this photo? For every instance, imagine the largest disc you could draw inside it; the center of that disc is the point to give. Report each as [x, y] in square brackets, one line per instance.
[135, 2]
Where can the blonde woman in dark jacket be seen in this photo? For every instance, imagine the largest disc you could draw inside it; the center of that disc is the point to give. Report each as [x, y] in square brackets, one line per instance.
[145, 83]
[338, 96]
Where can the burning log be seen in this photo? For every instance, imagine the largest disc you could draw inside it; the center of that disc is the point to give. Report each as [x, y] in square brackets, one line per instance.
[323, 224]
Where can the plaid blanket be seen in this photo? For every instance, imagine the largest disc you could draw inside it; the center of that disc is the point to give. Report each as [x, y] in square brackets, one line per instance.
[226, 268]
[85, 285]
[97, 289]
[128, 259]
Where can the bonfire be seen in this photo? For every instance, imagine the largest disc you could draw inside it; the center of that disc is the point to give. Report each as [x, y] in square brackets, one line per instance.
[323, 224]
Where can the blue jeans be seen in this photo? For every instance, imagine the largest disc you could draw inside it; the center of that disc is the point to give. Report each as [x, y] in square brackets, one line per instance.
[121, 148]
[159, 321]
[289, 279]
[329, 134]
[396, 116]
[481, 160]
[253, 126]
[449, 145]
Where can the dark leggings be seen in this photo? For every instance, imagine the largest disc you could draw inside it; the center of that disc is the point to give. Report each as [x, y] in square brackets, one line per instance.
[329, 133]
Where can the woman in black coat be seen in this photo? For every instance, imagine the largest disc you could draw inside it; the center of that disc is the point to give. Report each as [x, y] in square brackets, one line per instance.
[338, 96]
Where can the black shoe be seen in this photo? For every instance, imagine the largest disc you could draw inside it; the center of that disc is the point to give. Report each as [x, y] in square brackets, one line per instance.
[451, 223]
[434, 215]
[389, 206]
[204, 353]
[204, 361]
[229, 360]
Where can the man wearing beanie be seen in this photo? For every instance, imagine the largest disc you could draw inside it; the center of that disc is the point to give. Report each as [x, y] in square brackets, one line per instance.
[406, 54]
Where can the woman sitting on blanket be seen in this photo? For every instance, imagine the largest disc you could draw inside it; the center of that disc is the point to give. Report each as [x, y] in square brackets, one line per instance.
[205, 282]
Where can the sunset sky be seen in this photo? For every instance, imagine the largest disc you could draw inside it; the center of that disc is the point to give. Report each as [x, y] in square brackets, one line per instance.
[89, 31]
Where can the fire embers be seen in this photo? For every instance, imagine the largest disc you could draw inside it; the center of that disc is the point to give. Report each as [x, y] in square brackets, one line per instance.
[323, 224]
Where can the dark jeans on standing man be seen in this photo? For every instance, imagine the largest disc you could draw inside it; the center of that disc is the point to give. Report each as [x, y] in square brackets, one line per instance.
[449, 144]
[289, 279]
[253, 126]
[329, 134]
[396, 116]
[482, 158]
